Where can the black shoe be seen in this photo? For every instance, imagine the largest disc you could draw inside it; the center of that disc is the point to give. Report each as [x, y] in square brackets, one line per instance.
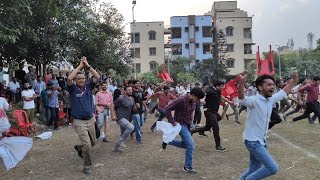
[152, 129]
[189, 170]
[76, 147]
[203, 135]
[227, 116]
[164, 145]
[238, 122]
[221, 149]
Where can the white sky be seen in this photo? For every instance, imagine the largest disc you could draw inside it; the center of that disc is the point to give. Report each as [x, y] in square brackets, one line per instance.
[274, 21]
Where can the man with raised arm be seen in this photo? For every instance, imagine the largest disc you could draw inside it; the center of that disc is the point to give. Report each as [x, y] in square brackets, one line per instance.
[259, 107]
[83, 110]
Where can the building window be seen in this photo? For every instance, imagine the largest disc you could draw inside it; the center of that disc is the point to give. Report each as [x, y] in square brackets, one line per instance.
[136, 53]
[230, 47]
[206, 31]
[197, 45]
[196, 28]
[247, 33]
[152, 35]
[136, 39]
[197, 61]
[187, 46]
[152, 51]
[230, 63]
[176, 32]
[247, 49]
[138, 67]
[229, 31]
[186, 29]
[153, 65]
[206, 48]
[176, 49]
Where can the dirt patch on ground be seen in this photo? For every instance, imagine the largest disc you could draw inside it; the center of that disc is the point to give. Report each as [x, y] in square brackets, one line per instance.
[56, 158]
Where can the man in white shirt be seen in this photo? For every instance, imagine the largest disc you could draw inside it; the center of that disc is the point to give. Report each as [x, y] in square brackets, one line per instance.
[14, 90]
[259, 107]
[4, 104]
[28, 96]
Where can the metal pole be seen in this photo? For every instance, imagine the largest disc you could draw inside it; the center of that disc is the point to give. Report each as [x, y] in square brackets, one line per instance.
[133, 41]
[279, 64]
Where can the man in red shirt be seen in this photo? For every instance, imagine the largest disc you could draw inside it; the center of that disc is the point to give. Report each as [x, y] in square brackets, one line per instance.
[164, 98]
[312, 99]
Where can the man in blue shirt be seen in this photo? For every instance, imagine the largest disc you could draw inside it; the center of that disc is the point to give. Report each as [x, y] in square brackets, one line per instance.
[83, 110]
[53, 104]
[44, 103]
[259, 107]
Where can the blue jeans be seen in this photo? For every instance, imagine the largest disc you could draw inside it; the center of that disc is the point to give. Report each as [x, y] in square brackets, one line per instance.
[261, 164]
[185, 143]
[138, 122]
[162, 115]
[47, 113]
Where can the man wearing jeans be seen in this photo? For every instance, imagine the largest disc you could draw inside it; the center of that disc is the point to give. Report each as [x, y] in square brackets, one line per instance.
[123, 107]
[53, 105]
[137, 116]
[83, 110]
[259, 107]
[104, 101]
[183, 109]
[164, 98]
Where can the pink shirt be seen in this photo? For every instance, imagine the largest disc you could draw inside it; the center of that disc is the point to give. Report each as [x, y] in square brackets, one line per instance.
[47, 78]
[164, 99]
[103, 98]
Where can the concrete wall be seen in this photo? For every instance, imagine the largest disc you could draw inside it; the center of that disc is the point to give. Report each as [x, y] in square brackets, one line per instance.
[145, 58]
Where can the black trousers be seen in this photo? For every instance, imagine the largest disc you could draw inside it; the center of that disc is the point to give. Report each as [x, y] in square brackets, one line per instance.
[212, 121]
[275, 118]
[310, 107]
[197, 116]
[54, 117]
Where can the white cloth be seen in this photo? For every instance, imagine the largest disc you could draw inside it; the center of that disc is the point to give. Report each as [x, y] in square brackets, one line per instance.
[13, 86]
[4, 125]
[12, 149]
[4, 104]
[45, 135]
[258, 115]
[169, 131]
[28, 104]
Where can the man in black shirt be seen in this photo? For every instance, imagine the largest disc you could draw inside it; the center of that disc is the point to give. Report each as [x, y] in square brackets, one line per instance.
[61, 81]
[137, 116]
[213, 98]
[20, 74]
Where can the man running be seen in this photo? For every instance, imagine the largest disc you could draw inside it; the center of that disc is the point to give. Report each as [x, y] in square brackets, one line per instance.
[262, 164]
[83, 110]
[183, 109]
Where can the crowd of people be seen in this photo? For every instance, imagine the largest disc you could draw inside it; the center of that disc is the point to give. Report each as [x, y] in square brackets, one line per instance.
[92, 103]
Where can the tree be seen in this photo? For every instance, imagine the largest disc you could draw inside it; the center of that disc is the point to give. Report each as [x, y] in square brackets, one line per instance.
[180, 64]
[210, 69]
[186, 77]
[149, 77]
[65, 30]
[318, 44]
[310, 37]
[13, 16]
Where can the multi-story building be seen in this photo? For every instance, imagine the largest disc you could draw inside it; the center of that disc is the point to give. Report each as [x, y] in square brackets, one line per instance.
[191, 37]
[148, 44]
[236, 26]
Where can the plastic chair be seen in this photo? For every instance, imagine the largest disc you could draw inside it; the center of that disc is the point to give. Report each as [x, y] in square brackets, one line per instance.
[23, 122]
